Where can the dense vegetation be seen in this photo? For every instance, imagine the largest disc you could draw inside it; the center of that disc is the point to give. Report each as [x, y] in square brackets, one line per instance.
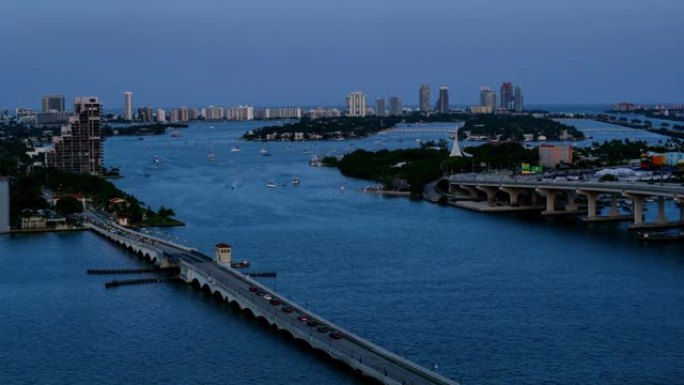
[513, 127]
[141, 129]
[325, 128]
[492, 156]
[617, 152]
[12, 156]
[397, 170]
[495, 127]
[27, 194]
[416, 167]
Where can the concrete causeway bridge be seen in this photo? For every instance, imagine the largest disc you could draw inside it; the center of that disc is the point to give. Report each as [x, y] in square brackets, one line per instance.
[560, 197]
[225, 284]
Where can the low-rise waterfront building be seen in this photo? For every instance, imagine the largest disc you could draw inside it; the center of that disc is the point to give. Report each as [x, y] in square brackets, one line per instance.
[481, 109]
[320, 112]
[551, 155]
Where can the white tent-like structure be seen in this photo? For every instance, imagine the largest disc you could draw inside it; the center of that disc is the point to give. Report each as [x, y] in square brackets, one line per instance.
[456, 149]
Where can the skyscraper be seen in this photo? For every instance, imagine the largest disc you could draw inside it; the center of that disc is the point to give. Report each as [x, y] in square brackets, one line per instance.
[488, 98]
[356, 104]
[128, 105]
[506, 96]
[53, 103]
[443, 101]
[518, 100]
[145, 114]
[380, 107]
[79, 147]
[424, 98]
[395, 108]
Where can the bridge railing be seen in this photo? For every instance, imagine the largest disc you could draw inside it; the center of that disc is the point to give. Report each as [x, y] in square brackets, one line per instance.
[363, 343]
[366, 345]
[634, 187]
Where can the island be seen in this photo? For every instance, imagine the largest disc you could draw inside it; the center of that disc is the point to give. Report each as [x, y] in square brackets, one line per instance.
[499, 127]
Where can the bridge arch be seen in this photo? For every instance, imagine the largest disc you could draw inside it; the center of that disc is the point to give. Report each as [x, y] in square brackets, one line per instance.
[206, 289]
[263, 321]
[235, 305]
[323, 354]
[248, 313]
[303, 343]
[218, 296]
[286, 334]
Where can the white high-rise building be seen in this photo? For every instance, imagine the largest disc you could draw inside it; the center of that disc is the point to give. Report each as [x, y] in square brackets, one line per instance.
[161, 115]
[356, 104]
[4, 205]
[214, 113]
[488, 98]
[128, 105]
[240, 113]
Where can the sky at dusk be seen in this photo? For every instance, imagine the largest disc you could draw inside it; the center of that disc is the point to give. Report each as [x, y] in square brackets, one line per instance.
[314, 52]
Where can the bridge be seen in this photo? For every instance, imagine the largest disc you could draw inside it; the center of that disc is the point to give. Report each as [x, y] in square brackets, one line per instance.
[473, 187]
[225, 284]
[419, 128]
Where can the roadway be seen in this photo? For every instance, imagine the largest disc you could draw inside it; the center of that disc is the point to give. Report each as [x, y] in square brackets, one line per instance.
[359, 353]
[664, 190]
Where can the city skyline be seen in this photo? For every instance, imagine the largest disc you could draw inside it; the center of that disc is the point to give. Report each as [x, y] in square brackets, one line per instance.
[552, 59]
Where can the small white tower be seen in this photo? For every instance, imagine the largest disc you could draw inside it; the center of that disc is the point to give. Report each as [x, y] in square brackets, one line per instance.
[224, 254]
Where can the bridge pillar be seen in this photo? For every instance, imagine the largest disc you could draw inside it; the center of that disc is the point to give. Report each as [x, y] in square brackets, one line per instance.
[490, 191]
[591, 202]
[638, 208]
[662, 218]
[513, 193]
[550, 199]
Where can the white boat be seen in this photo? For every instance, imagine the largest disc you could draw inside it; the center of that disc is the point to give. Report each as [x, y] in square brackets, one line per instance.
[264, 151]
[211, 156]
[295, 180]
[316, 161]
[271, 184]
[235, 149]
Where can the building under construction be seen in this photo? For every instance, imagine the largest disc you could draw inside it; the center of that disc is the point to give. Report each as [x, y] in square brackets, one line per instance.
[79, 147]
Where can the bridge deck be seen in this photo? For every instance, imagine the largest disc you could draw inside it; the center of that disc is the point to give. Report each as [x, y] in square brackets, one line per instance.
[360, 354]
[665, 190]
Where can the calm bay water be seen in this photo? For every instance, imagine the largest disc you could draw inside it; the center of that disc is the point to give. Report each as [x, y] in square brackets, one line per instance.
[491, 299]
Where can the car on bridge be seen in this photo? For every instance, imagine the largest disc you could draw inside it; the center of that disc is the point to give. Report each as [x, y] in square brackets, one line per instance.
[288, 309]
